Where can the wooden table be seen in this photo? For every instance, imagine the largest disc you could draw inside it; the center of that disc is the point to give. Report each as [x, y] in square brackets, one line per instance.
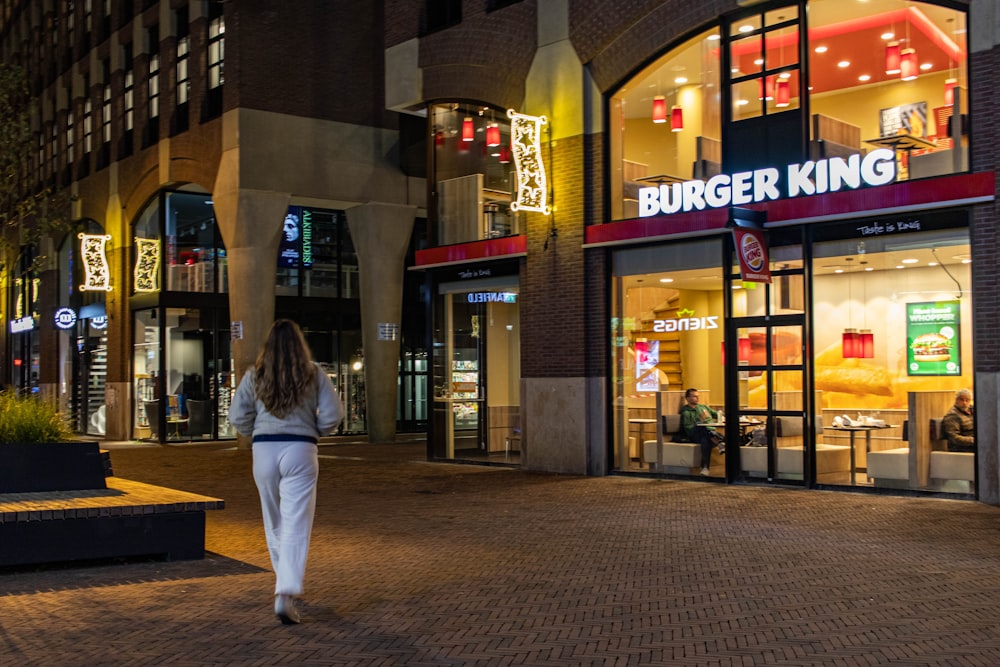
[642, 424]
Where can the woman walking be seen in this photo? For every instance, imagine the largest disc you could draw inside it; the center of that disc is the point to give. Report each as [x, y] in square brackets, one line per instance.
[286, 402]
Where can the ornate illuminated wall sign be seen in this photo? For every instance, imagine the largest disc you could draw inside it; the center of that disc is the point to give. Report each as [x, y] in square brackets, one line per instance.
[97, 276]
[147, 265]
[526, 145]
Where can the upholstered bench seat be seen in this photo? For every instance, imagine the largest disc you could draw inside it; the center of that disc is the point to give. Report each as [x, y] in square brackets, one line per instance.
[675, 454]
[829, 458]
[953, 465]
[889, 464]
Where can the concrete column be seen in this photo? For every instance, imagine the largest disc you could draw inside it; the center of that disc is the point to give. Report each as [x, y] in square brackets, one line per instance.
[251, 224]
[381, 235]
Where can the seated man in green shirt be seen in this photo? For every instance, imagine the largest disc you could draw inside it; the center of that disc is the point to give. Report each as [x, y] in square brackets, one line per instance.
[693, 416]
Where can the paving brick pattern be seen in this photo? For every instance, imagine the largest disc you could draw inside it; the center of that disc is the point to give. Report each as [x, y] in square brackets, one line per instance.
[417, 563]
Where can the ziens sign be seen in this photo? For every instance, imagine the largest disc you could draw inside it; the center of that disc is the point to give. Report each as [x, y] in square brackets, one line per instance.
[685, 321]
[748, 187]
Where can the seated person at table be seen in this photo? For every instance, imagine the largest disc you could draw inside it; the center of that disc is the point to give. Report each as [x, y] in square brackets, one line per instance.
[958, 426]
[693, 415]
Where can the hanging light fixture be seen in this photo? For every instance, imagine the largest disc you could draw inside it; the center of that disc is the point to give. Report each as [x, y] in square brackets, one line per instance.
[850, 342]
[765, 88]
[782, 93]
[866, 344]
[892, 58]
[468, 130]
[504, 157]
[743, 346]
[949, 92]
[908, 65]
[493, 135]
[676, 118]
[659, 109]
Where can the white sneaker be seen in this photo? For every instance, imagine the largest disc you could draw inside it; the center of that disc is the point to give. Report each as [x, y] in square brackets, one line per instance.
[284, 609]
[705, 472]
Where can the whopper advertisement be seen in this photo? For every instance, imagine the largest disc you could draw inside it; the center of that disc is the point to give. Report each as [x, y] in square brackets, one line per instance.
[932, 340]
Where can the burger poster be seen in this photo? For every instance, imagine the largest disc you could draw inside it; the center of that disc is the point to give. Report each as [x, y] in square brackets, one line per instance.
[932, 342]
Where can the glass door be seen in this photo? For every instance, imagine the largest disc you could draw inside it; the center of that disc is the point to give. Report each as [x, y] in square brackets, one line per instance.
[777, 418]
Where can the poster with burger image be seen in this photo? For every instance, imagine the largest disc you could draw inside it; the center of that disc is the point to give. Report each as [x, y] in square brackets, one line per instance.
[932, 338]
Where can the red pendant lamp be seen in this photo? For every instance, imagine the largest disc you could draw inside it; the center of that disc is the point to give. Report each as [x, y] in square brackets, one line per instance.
[908, 65]
[892, 58]
[676, 118]
[850, 342]
[743, 347]
[782, 93]
[493, 135]
[504, 157]
[949, 92]
[659, 109]
[468, 130]
[765, 88]
[866, 344]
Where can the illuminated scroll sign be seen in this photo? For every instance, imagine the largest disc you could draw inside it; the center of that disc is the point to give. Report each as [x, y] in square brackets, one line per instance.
[97, 277]
[147, 265]
[525, 144]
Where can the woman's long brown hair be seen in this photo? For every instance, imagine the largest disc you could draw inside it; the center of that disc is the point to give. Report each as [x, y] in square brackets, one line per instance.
[284, 373]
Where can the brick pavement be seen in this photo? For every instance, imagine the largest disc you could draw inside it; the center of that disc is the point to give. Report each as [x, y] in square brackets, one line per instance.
[432, 564]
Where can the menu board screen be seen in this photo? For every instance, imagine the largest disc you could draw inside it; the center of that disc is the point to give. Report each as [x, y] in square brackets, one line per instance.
[932, 340]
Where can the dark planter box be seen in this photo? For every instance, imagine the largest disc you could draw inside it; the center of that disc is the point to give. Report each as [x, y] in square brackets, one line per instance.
[51, 466]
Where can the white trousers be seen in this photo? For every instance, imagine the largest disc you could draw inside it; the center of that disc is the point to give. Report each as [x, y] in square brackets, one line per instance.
[285, 473]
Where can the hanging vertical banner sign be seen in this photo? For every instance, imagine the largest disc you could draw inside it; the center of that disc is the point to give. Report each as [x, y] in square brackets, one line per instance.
[752, 251]
[526, 145]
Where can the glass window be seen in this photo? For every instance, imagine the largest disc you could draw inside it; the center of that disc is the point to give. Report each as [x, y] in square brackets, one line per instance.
[667, 336]
[193, 252]
[216, 51]
[316, 252]
[473, 173]
[666, 124]
[893, 339]
[890, 75]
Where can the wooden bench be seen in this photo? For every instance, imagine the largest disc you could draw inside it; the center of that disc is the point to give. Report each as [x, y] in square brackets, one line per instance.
[126, 519]
[891, 467]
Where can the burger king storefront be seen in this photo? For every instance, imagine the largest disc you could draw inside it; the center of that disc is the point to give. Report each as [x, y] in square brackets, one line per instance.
[828, 354]
[789, 217]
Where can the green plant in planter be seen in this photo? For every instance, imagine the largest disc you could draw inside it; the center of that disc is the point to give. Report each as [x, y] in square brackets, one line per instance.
[40, 452]
[25, 419]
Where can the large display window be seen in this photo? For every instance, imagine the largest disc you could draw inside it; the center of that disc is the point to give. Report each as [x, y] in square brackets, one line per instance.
[781, 83]
[839, 372]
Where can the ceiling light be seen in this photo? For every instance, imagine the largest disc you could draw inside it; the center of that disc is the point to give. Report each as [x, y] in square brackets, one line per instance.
[910, 261]
[713, 38]
[865, 77]
[869, 268]
[926, 66]
[746, 28]
[932, 263]
[742, 103]
[666, 280]
[681, 79]
[966, 261]
[900, 266]
[844, 63]
[785, 75]
[820, 49]
[887, 35]
[758, 61]
[838, 270]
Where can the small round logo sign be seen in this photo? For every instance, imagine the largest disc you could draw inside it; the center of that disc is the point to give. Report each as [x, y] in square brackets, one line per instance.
[752, 252]
[65, 318]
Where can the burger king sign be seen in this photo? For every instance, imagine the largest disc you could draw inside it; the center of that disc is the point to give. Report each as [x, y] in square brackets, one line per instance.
[752, 251]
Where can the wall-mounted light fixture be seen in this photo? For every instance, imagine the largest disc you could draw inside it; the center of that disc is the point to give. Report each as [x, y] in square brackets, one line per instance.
[97, 276]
